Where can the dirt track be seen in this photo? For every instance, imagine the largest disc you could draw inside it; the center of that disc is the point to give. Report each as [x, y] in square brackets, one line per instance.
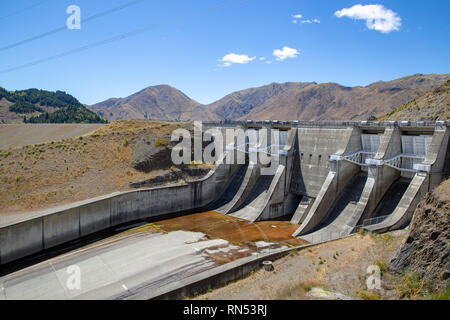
[17, 135]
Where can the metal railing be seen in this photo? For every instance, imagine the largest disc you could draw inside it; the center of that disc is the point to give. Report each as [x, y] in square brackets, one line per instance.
[296, 123]
[370, 222]
[358, 157]
[319, 237]
[247, 148]
[397, 162]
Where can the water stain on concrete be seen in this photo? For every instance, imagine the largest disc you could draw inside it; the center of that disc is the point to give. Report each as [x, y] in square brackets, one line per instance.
[242, 235]
[238, 231]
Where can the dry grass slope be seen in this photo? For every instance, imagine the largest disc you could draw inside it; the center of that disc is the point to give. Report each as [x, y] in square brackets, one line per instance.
[431, 106]
[57, 172]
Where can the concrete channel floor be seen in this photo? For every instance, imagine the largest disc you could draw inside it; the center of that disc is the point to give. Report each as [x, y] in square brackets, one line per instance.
[111, 268]
[151, 255]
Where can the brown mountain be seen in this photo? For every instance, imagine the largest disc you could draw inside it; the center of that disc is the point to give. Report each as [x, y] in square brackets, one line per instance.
[239, 104]
[331, 101]
[432, 106]
[157, 103]
[276, 101]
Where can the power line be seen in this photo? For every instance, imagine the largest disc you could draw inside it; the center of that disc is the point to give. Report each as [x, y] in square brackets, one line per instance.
[22, 10]
[48, 33]
[122, 36]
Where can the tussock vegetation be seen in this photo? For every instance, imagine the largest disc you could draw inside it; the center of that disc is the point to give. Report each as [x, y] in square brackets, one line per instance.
[300, 289]
[412, 285]
[432, 105]
[56, 172]
[366, 295]
[445, 295]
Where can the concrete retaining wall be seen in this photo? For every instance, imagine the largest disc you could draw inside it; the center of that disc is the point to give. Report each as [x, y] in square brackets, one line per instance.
[338, 175]
[383, 176]
[201, 282]
[50, 228]
[406, 207]
[436, 156]
[315, 147]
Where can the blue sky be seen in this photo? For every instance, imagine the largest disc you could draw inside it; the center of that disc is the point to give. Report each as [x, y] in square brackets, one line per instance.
[211, 54]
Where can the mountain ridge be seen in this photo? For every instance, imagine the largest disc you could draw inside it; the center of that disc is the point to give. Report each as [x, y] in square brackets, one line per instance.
[275, 101]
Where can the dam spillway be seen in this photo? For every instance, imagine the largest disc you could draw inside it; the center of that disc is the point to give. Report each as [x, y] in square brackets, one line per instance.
[317, 163]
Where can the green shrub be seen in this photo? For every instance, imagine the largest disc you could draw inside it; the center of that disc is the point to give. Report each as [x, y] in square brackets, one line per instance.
[411, 285]
[382, 265]
[445, 295]
[369, 295]
[161, 142]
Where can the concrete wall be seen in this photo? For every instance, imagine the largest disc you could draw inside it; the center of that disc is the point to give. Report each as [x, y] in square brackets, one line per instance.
[281, 202]
[315, 146]
[420, 184]
[54, 227]
[274, 203]
[339, 173]
[406, 207]
[383, 176]
[436, 156]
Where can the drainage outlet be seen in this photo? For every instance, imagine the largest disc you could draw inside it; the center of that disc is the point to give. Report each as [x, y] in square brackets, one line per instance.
[268, 266]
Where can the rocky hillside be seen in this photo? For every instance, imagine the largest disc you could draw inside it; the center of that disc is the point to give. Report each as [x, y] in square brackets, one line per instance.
[159, 102]
[426, 249]
[276, 101]
[432, 106]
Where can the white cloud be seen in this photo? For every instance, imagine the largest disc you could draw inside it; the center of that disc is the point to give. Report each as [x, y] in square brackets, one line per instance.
[377, 17]
[298, 17]
[231, 58]
[285, 53]
[262, 58]
[311, 21]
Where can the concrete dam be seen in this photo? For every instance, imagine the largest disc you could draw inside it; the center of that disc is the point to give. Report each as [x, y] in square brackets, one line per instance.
[330, 180]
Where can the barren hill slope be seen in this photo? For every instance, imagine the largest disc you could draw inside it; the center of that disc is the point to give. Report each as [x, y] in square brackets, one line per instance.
[276, 101]
[158, 102]
[17, 135]
[238, 104]
[331, 101]
[66, 169]
[431, 106]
